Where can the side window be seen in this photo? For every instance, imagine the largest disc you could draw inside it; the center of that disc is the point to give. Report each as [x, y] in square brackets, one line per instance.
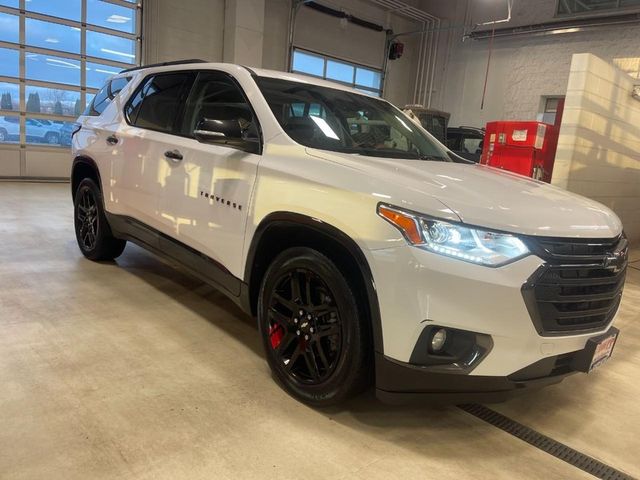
[157, 102]
[100, 101]
[116, 85]
[216, 96]
[105, 95]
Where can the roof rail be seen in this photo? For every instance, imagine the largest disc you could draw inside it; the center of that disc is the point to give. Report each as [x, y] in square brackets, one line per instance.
[165, 64]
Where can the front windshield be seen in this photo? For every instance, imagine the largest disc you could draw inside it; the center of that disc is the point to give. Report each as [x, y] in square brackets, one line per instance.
[340, 121]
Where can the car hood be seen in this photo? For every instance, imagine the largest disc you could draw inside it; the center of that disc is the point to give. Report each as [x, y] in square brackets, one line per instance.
[483, 196]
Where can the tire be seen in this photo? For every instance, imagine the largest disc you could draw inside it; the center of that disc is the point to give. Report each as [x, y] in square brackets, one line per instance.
[52, 138]
[3, 135]
[320, 357]
[92, 229]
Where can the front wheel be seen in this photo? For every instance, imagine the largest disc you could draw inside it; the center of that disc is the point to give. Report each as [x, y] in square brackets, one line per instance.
[92, 230]
[313, 331]
[52, 139]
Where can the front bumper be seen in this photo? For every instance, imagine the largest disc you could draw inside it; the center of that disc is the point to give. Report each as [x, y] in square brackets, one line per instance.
[401, 383]
[417, 289]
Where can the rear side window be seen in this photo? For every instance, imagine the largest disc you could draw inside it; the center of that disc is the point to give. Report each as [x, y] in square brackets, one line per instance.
[158, 101]
[107, 93]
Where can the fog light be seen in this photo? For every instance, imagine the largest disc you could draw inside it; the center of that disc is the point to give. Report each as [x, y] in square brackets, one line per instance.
[438, 340]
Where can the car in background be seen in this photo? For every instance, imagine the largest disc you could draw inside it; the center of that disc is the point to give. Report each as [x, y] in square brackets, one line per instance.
[66, 131]
[433, 121]
[466, 142]
[9, 129]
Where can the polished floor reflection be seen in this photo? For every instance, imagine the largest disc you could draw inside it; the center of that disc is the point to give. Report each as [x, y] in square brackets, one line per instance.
[136, 370]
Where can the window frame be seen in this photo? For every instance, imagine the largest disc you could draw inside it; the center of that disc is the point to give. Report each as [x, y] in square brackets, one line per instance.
[329, 58]
[597, 12]
[175, 130]
[85, 92]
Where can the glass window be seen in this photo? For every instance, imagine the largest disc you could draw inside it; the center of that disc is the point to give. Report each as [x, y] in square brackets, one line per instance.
[54, 36]
[68, 9]
[368, 78]
[43, 131]
[9, 62]
[52, 84]
[9, 129]
[342, 121]
[100, 102]
[97, 74]
[215, 96]
[111, 47]
[117, 84]
[103, 98]
[9, 96]
[339, 71]
[56, 101]
[9, 28]
[307, 63]
[49, 68]
[112, 16]
[585, 7]
[158, 102]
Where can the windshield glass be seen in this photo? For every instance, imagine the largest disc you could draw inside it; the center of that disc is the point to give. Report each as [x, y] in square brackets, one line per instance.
[340, 121]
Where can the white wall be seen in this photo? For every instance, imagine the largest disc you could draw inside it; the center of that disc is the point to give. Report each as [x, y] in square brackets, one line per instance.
[196, 29]
[523, 69]
[325, 34]
[180, 29]
[599, 145]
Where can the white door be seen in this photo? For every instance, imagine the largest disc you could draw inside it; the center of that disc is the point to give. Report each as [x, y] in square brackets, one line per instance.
[207, 193]
[142, 147]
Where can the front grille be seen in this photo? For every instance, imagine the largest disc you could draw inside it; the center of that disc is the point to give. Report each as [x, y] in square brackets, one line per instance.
[579, 287]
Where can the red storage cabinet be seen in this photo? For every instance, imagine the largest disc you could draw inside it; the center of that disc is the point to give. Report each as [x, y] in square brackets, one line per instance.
[527, 148]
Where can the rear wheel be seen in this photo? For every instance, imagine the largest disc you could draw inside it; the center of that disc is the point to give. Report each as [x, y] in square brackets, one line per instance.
[314, 335]
[92, 230]
[3, 135]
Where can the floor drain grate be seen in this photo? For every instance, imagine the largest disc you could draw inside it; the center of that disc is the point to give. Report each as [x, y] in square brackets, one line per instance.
[546, 444]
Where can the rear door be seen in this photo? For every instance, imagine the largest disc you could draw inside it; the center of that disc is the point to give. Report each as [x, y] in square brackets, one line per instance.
[143, 147]
[206, 193]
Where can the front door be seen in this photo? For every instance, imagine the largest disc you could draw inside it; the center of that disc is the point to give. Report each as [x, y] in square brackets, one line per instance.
[207, 193]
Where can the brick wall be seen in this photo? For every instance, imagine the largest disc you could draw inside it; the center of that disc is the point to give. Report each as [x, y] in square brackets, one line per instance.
[599, 145]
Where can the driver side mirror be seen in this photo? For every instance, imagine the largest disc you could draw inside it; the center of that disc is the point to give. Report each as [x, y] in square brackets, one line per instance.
[225, 132]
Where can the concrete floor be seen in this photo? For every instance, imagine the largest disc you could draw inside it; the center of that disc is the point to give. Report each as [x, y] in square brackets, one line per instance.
[135, 370]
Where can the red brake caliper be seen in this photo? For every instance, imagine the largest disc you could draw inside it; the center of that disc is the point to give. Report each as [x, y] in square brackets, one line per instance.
[276, 332]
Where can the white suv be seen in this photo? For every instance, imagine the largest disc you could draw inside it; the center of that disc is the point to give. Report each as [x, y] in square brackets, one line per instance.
[365, 248]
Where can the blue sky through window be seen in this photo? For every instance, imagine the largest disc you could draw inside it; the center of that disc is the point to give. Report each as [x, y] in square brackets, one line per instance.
[9, 62]
[111, 47]
[54, 36]
[49, 68]
[9, 28]
[69, 9]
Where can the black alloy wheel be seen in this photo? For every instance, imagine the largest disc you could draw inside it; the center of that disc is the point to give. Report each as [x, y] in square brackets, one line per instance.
[316, 340]
[93, 233]
[87, 218]
[305, 328]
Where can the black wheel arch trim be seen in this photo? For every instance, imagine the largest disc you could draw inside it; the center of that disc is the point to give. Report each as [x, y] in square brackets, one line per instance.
[292, 219]
[82, 159]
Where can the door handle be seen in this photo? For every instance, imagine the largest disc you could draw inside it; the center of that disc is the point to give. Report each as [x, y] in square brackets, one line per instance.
[112, 140]
[174, 156]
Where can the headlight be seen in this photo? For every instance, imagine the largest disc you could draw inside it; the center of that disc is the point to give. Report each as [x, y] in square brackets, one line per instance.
[474, 245]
